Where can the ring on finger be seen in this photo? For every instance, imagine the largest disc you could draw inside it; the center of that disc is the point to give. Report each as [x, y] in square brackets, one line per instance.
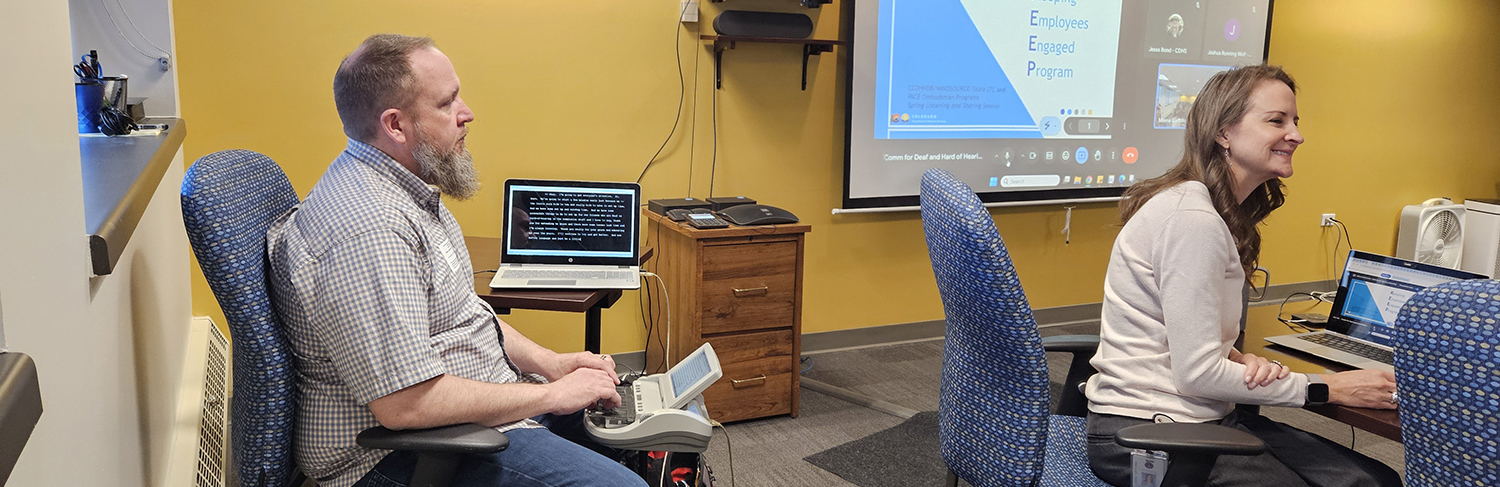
[1278, 363]
[1394, 397]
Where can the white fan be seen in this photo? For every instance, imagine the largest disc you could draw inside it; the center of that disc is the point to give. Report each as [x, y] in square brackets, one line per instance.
[1432, 233]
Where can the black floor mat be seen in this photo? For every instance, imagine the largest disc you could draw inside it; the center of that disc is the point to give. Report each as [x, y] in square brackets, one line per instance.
[903, 455]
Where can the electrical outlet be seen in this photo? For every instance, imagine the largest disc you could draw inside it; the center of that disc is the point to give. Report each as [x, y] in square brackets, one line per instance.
[1326, 221]
[689, 10]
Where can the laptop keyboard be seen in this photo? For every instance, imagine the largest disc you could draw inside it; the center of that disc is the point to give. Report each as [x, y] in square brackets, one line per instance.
[564, 274]
[1338, 342]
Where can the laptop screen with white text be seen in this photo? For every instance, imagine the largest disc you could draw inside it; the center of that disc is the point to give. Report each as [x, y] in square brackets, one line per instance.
[566, 221]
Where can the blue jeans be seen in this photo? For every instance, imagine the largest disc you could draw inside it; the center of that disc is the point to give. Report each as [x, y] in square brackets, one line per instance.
[560, 455]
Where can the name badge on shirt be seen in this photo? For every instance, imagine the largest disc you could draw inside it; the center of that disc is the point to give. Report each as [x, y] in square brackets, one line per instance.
[445, 250]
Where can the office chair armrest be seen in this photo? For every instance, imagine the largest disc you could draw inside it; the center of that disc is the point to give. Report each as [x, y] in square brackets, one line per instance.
[1072, 402]
[1074, 344]
[459, 438]
[1190, 438]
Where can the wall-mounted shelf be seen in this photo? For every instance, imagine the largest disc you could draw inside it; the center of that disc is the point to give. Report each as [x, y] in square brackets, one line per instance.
[810, 47]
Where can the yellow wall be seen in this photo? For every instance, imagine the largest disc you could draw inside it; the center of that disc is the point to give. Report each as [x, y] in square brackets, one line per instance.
[1396, 109]
[1396, 101]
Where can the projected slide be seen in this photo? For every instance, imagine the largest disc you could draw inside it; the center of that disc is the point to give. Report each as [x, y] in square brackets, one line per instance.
[976, 69]
[1031, 100]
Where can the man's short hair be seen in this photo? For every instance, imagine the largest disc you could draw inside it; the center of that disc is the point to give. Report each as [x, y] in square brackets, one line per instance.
[373, 78]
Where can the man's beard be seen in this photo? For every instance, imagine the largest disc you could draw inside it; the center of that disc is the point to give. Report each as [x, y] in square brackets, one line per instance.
[452, 171]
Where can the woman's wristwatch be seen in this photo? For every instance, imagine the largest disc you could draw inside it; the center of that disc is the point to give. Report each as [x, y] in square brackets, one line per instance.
[1317, 391]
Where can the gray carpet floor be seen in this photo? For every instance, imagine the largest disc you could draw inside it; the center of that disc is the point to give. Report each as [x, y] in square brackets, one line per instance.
[770, 452]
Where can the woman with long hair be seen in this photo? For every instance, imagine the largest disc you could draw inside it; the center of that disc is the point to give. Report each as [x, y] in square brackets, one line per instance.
[1172, 301]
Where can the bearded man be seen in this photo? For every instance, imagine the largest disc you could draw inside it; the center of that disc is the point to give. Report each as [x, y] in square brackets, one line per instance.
[372, 280]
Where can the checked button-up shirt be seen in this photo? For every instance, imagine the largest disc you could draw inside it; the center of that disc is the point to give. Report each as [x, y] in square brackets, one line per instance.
[372, 280]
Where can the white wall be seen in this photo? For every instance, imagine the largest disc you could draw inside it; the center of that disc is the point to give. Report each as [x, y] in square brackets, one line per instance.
[138, 22]
[145, 307]
[43, 255]
[108, 350]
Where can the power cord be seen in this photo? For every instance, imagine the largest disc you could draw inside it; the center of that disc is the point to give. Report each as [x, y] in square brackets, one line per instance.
[486, 271]
[665, 297]
[644, 304]
[1334, 259]
[681, 93]
[693, 134]
[1265, 286]
[1343, 238]
[633, 374]
[730, 443]
[1346, 232]
[810, 363]
[713, 165]
[1295, 325]
[113, 121]
[651, 314]
[164, 59]
[656, 313]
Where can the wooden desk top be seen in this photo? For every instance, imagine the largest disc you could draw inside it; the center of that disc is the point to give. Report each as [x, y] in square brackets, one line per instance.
[484, 253]
[1262, 323]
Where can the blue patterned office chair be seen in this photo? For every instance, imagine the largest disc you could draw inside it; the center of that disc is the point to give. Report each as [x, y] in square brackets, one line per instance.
[229, 199]
[1447, 342]
[994, 427]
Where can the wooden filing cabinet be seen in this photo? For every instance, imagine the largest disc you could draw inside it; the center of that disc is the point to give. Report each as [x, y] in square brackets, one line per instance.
[739, 288]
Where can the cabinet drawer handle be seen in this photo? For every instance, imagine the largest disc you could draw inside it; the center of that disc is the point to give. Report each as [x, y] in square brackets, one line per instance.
[742, 382]
[754, 291]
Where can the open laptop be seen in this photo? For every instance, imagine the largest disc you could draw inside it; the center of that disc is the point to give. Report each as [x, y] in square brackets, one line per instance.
[1371, 293]
[569, 235]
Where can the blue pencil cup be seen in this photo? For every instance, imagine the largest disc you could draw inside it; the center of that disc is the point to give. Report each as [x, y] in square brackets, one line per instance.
[90, 98]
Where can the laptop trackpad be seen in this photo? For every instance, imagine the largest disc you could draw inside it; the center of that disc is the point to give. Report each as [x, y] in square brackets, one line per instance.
[551, 282]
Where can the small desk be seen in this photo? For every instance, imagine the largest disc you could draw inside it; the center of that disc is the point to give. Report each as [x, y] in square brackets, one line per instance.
[1262, 323]
[484, 253]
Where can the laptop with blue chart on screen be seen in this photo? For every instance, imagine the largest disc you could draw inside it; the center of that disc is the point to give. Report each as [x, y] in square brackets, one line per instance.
[1371, 292]
[569, 235]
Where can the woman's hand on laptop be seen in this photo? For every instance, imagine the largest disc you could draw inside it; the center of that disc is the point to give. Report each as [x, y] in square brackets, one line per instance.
[1362, 388]
[584, 387]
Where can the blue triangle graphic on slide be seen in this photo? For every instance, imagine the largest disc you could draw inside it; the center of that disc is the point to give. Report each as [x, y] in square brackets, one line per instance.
[1361, 304]
[937, 45]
